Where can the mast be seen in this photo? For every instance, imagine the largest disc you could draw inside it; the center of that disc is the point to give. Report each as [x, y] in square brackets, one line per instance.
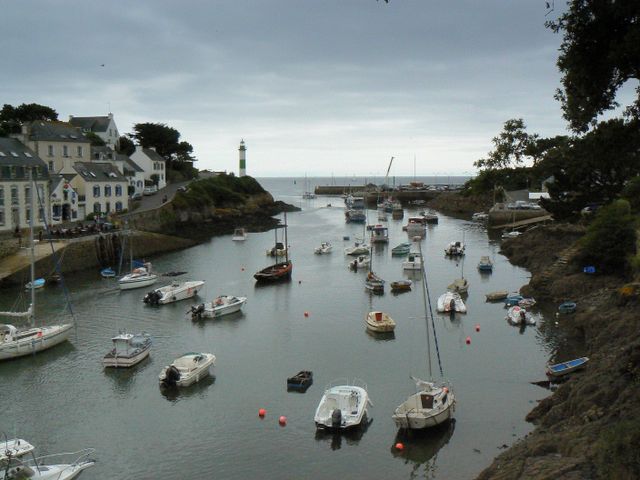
[286, 241]
[31, 244]
[424, 301]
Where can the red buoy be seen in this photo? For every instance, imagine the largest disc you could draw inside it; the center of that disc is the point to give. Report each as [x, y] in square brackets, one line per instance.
[399, 446]
[306, 314]
[282, 420]
[262, 412]
[242, 269]
[468, 340]
[299, 282]
[477, 328]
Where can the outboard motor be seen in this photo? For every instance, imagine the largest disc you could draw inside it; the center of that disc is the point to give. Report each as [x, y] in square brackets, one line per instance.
[152, 298]
[196, 311]
[336, 418]
[452, 305]
[171, 376]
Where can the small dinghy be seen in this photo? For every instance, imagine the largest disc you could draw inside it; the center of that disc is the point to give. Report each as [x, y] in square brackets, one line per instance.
[496, 296]
[325, 247]
[107, 272]
[459, 285]
[37, 283]
[564, 368]
[450, 302]
[380, 322]
[187, 369]
[517, 315]
[342, 407]
[362, 262]
[301, 381]
[400, 250]
[485, 264]
[128, 350]
[222, 305]
[401, 286]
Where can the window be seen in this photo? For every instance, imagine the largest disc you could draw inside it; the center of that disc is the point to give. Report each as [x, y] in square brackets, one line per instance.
[27, 195]
[118, 206]
[65, 151]
[107, 191]
[41, 215]
[79, 151]
[51, 165]
[162, 166]
[50, 150]
[14, 195]
[108, 207]
[1, 196]
[65, 195]
[40, 193]
[118, 190]
[27, 215]
[96, 208]
[96, 190]
[139, 183]
[1, 216]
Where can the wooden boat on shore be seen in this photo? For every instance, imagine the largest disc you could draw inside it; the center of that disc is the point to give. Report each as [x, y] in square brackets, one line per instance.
[564, 368]
[301, 381]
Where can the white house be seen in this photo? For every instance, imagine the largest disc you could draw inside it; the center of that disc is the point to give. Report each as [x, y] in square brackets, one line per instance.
[127, 167]
[64, 199]
[152, 163]
[105, 127]
[101, 188]
[16, 160]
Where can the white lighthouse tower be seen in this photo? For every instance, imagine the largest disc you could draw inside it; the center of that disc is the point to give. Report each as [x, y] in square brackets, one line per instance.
[243, 158]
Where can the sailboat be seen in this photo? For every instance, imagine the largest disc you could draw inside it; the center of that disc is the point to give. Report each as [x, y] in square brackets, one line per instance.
[460, 285]
[140, 276]
[279, 270]
[17, 342]
[434, 402]
[308, 194]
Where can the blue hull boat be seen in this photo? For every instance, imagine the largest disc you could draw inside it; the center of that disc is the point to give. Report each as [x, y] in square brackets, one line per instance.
[564, 368]
[107, 273]
[567, 307]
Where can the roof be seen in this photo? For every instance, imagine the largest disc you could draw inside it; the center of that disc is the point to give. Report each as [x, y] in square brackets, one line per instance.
[15, 153]
[153, 155]
[98, 172]
[56, 131]
[129, 164]
[91, 124]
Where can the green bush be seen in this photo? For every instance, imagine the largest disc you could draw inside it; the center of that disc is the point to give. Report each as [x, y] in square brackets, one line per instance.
[610, 241]
[618, 452]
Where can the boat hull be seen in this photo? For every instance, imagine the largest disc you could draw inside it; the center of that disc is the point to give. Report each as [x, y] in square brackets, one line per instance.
[380, 322]
[212, 311]
[130, 284]
[275, 273]
[125, 361]
[50, 337]
[415, 421]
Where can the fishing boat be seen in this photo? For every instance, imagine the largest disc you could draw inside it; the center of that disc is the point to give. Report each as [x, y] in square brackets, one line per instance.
[379, 322]
[342, 407]
[358, 248]
[301, 381]
[173, 292]
[239, 235]
[433, 402]
[401, 285]
[485, 264]
[450, 302]
[17, 342]
[37, 283]
[415, 226]
[107, 272]
[19, 462]
[128, 350]
[374, 283]
[138, 278]
[325, 247]
[220, 306]
[454, 249]
[517, 315]
[564, 368]
[279, 271]
[379, 234]
[401, 249]
[496, 296]
[187, 369]
[413, 262]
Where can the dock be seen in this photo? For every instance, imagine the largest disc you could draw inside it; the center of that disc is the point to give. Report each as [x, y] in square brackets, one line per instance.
[523, 223]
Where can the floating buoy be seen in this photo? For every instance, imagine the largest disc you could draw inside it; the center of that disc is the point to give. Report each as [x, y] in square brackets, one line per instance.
[445, 389]
[242, 269]
[399, 446]
[299, 282]
[262, 412]
[282, 420]
[306, 314]
[468, 341]
[477, 328]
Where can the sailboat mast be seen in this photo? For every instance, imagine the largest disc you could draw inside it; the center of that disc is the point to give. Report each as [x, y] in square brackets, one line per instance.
[31, 244]
[286, 241]
[424, 300]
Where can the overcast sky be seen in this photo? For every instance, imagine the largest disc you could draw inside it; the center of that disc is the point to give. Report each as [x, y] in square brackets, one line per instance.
[313, 86]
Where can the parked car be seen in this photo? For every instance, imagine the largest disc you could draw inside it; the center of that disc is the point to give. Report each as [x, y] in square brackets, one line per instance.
[150, 190]
[136, 196]
[182, 189]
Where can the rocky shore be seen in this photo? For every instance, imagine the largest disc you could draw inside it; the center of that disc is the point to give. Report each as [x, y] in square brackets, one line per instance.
[589, 427]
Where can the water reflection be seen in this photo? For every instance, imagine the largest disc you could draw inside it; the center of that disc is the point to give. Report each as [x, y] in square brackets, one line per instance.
[124, 378]
[421, 448]
[381, 336]
[174, 393]
[351, 436]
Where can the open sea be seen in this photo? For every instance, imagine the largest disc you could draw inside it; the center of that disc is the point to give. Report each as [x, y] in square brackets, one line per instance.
[63, 400]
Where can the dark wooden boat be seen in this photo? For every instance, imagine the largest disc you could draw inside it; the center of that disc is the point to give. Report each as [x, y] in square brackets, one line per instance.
[300, 381]
[564, 368]
[401, 286]
[280, 270]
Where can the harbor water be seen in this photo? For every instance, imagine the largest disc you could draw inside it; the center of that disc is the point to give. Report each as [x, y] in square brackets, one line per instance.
[63, 400]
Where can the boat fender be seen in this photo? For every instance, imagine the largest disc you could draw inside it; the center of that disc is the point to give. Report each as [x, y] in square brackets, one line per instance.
[173, 299]
[336, 418]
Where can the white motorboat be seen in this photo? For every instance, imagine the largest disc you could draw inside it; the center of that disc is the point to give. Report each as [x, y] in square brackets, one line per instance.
[342, 406]
[511, 234]
[517, 315]
[380, 322]
[239, 235]
[18, 462]
[173, 292]
[187, 369]
[222, 305]
[413, 262]
[416, 226]
[325, 247]
[357, 249]
[480, 217]
[374, 283]
[138, 278]
[451, 302]
[128, 350]
[454, 249]
[362, 262]
[17, 342]
[379, 234]
[431, 405]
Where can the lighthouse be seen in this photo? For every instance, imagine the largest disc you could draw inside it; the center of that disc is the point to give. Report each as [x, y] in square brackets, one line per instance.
[243, 158]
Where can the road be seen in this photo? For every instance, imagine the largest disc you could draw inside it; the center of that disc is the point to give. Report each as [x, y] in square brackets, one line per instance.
[149, 202]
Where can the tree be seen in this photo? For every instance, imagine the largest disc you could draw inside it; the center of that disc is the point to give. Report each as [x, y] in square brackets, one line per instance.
[600, 51]
[95, 140]
[165, 140]
[126, 145]
[12, 117]
[511, 147]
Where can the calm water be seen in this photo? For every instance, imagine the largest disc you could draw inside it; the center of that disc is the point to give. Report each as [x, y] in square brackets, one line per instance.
[63, 400]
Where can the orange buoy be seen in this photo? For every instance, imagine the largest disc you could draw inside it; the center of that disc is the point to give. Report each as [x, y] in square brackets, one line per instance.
[306, 314]
[399, 446]
[468, 340]
[477, 328]
[282, 420]
[262, 412]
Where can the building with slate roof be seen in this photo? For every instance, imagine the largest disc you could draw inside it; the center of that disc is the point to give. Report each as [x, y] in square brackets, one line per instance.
[58, 144]
[105, 127]
[101, 188]
[64, 199]
[152, 163]
[126, 166]
[16, 160]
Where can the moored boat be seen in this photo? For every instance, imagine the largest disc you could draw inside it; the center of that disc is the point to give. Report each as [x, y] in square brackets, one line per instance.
[138, 278]
[401, 285]
[454, 249]
[401, 249]
[301, 381]
[173, 292]
[279, 271]
[485, 264]
[431, 405]
[459, 285]
[342, 407]
[450, 302]
[567, 307]
[564, 368]
[37, 283]
[325, 247]
[380, 322]
[187, 369]
[222, 305]
[128, 350]
[239, 235]
[497, 295]
[517, 315]
[379, 234]
[359, 263]
[374, 283]
[107, 272]
[357, 249]
[413, 262]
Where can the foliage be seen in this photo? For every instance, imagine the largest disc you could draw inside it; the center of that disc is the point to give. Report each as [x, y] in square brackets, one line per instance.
[166, 141]
[126, 146]
[90, 217]
[12, 117]
[499, 180]
[631, 193]
[511, 147]
[95, 140]
[599, 53]
[610, 240]
[222, 190]
[618, 455]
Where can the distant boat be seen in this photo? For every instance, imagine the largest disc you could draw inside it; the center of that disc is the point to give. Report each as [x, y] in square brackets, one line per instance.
[107, 272]
[400, 250]
[564, 368]
[485, 264]
[301, 381]
[280, 270]
[239, 235]
[325, 247]
[454, 249]
[380, 322]
[222, 305]
[517, 315]
[497, 295]
[401, 286]
[450, 302]
[37, 283]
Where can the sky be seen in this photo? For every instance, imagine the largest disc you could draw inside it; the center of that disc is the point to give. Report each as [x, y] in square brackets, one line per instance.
[316, 87]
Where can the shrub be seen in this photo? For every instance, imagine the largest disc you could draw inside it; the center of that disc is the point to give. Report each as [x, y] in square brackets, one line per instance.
[618, 452]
